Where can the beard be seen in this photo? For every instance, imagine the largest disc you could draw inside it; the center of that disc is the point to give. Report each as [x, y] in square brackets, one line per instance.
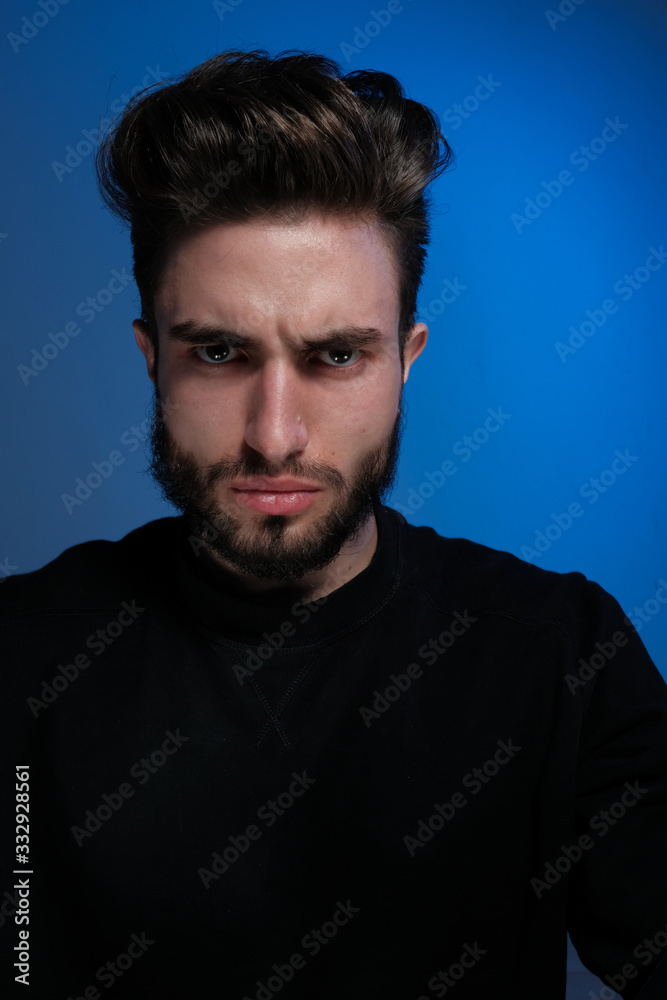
[270, 547]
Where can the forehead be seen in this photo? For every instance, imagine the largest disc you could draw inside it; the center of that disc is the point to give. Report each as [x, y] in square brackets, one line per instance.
[322, 269]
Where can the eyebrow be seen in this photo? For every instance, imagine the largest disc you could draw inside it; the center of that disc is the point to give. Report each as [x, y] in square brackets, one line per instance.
[202, 334]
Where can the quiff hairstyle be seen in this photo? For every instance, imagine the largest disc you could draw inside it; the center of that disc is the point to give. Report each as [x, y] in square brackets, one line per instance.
[244, 135]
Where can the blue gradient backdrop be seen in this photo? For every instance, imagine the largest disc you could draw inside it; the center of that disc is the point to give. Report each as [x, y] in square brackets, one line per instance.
[521, 285]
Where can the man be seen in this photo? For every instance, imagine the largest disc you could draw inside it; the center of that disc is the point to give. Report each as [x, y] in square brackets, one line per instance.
[286, 740]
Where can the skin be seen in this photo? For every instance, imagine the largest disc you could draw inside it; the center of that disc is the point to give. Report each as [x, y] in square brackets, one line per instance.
[280, 284]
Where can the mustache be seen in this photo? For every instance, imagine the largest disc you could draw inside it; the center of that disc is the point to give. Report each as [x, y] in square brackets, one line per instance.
[246, 468]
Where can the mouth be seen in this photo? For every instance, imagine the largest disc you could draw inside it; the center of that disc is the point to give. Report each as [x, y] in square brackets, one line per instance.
[288, 496]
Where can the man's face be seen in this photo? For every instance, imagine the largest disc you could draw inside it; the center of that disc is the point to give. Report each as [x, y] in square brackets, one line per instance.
[278, 363]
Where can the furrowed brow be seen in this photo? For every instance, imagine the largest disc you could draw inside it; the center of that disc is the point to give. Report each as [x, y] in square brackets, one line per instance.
[346, 336]
[202, 334]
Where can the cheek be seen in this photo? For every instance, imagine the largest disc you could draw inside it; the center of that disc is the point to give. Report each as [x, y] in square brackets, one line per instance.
[357, 423]
[378, 404]
[201, 419]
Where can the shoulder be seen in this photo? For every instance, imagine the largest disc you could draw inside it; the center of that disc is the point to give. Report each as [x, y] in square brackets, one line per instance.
[90, 576]
[528, 615]
[492, 582]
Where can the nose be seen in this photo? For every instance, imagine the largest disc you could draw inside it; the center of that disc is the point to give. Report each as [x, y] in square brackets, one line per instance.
[276, 426]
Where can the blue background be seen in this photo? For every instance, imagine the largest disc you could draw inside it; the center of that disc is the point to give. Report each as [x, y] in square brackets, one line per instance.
[522, 284]
[554, 80]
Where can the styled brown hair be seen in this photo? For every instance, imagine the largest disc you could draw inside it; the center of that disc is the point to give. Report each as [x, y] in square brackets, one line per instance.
[245, 135]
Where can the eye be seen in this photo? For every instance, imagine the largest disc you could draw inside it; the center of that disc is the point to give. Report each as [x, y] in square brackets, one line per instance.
[340, 357]
[215, 354]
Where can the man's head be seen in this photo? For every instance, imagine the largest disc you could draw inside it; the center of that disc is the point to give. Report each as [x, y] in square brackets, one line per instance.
[279, 228]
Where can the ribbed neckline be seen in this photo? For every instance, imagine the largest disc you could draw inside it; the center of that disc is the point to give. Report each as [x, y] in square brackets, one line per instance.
[209, 594]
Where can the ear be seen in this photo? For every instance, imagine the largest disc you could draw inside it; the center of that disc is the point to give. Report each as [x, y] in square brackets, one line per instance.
[145, 345]
[414, 345]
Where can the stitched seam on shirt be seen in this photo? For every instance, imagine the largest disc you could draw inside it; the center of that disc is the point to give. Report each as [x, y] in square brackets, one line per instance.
[271, 714]
[488, 612]
[287, 697]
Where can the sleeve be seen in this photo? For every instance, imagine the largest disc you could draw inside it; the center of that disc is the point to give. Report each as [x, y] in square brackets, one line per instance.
[617, 902]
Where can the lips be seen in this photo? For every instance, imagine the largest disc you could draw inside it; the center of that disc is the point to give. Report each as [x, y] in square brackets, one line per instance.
[277, 496]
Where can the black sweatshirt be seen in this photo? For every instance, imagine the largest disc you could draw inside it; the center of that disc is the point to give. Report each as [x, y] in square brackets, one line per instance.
[408, 789]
